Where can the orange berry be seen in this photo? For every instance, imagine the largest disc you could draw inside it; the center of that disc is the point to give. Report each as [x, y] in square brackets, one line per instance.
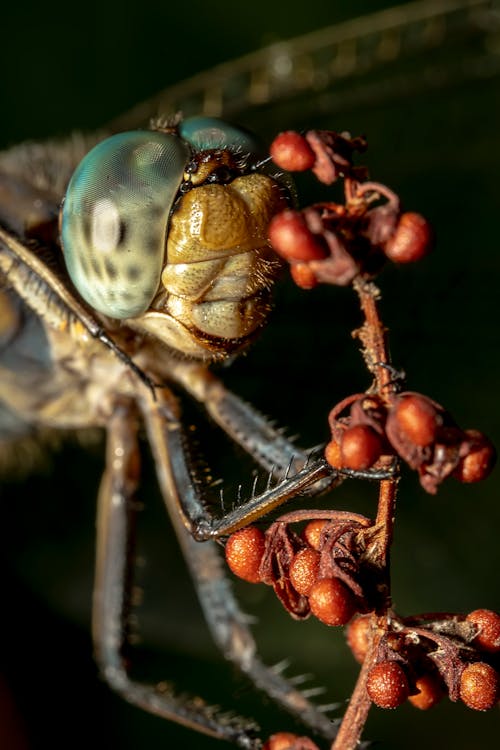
[285, 740]
[331, 601]
[280, 741]
[430, 692]
[387, 684]
[312, 533]
[488, 622]
[479, 462]
[291, 151]
[358, 636]
[291, 237]
[244, 551]
[304, 570]
[479, 686]
[417, 418]
[333, 454]
[303, 276]
[360, 447]
[411, 241]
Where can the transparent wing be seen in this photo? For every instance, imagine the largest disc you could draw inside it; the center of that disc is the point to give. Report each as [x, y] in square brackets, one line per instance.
[394, 53]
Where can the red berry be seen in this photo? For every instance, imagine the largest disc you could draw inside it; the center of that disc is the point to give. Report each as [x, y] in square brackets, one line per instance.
[479, 686]
[333, 454]
[285, 740]
[387, 684]
[312, 533]
[361, 446]
[430, 692]
[488, 622]
[303, 276]
[280, 741]
[358, 636]
[417, 418]
[304, 570]
[292, 152]
[291, 238]
[244, 551]
[479, 462]
[411, 241]
[331, 601]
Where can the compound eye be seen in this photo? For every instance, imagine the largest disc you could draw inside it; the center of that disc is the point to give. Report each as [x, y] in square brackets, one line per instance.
[205, 133]
[115, 217]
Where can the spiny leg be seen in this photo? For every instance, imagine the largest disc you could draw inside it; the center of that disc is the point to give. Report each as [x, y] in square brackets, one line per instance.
[226, 621]
[269, 447]
[112, 594]
[293, 471]
[166, 435]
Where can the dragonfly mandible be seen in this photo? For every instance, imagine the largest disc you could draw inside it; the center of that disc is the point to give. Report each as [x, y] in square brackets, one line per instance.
[273, 78]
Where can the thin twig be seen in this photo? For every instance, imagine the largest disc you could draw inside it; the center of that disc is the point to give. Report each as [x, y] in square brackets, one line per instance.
[378, 538]
[355, 717]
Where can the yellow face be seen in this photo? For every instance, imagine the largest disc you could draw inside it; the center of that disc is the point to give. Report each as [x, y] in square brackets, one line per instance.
[215, 286]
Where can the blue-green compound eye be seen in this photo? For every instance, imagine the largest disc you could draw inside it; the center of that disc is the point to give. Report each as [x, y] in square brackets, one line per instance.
[115, 216]
[211, 133]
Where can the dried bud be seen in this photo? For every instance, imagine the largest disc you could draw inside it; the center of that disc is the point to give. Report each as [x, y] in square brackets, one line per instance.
[333, 153]
[331, 602]
[291, 151]
[244, 552]
[488, 622]
[411, 241]
[479, 686]
[382, 222]
[387, 684]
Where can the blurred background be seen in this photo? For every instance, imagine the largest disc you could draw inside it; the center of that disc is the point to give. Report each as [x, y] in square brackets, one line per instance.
[429, 107]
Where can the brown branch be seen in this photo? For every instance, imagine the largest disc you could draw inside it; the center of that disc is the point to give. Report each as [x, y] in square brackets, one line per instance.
[372, 335]
[378, 538]
[355, 717]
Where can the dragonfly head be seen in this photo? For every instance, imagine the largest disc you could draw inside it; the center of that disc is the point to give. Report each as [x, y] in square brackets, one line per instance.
[167, 230]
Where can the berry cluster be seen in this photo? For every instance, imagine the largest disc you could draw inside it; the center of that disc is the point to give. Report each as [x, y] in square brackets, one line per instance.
[336, 567]
[335, 243]
[424, 658]
[324, 572]
[317, 572]
[413, 427]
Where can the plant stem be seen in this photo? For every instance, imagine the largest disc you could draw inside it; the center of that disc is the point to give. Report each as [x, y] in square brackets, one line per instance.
[378, 538]
[372, 335]
[355, 717]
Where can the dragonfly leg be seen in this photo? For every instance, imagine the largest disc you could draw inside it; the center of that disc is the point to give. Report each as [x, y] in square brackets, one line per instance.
[267, 444]
[228, 625]
[168, 442]
[112, 594]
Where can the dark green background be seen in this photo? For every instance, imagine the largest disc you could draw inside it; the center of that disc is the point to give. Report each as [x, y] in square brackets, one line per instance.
[66, 68]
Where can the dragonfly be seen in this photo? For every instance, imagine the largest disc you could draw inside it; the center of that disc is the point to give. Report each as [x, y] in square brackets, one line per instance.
[421, 38]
